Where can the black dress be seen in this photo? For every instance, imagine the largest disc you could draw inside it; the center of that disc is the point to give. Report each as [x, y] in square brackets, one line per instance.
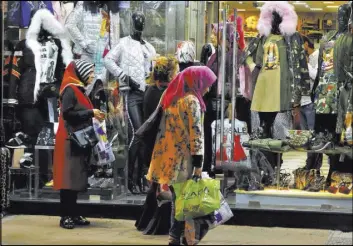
[154, 220]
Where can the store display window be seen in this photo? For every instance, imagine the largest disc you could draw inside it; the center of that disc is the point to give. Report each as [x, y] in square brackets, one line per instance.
[93, 32]
[289, 148]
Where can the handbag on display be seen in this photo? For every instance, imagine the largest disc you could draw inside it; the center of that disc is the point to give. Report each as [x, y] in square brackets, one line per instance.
[300, 138]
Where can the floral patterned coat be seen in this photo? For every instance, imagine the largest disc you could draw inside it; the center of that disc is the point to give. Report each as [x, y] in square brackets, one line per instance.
[180, 136]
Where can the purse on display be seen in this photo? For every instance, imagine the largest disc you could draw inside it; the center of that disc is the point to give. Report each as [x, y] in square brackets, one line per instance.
[85, 138]
[300, 138]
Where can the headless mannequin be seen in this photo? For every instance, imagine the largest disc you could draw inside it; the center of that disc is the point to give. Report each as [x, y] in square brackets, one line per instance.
[327, 122]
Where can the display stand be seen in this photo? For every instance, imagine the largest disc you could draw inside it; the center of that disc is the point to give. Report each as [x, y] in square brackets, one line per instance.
[296, 199]
[91, 194]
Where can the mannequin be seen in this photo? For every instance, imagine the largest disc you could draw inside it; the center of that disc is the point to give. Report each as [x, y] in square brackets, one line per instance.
[94, 29]
[325, 107]
[37, 69]
[130, 62]
[277, 29]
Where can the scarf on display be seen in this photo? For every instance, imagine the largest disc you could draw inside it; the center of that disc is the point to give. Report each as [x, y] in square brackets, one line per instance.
[195, 80]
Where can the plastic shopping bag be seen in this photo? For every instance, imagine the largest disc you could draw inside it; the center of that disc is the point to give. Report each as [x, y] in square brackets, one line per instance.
[196, 198]
[221, 215]
[103, 150]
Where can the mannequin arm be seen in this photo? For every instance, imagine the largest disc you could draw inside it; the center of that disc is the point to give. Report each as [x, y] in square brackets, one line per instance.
[16, 72]
[111, 61]
[71, 25]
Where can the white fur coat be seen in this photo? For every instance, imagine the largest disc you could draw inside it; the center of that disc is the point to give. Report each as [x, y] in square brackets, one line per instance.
[289, 22]
[45, 19]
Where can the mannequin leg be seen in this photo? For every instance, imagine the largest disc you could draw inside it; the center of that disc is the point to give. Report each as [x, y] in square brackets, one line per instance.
[267, 120]
[135, 106]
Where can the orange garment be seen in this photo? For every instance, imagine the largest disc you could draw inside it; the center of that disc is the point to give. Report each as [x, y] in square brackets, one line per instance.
[180, 136]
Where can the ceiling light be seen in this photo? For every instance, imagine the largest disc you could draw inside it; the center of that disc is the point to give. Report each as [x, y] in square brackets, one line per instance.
[297, 3]
[258, 7]
[240, 2]
[329, 2]
[307, 6]
[316, 9]
[261, 1]
[332, 7]
[240, 10]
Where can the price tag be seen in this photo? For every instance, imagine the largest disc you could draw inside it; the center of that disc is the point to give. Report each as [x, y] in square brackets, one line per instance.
[94, 198]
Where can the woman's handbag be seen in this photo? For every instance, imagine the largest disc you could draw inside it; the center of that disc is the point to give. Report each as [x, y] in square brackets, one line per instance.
[85, 138]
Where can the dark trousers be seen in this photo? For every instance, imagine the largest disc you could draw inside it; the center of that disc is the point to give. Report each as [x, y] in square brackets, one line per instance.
[68, 203]
[177, 227]
[135, 110]
[267, 120]
[307, 122]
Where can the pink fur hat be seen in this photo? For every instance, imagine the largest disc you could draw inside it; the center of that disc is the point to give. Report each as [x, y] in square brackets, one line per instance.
[288, 25]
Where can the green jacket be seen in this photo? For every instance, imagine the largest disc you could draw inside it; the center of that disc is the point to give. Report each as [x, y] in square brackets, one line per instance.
[298, 77]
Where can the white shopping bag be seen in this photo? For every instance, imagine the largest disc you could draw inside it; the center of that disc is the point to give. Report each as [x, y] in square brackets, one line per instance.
[220, 216]
[103, 149]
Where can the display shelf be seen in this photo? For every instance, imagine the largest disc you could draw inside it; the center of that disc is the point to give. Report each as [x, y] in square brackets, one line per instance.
[294, 200]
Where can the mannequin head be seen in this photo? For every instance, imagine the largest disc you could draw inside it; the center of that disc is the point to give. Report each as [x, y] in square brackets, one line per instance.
[276, 20]
[138, 25]
[344, 12]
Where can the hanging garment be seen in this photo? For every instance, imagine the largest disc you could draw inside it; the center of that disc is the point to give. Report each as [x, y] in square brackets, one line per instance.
[241, 154]
[4, 177]
[14, 13]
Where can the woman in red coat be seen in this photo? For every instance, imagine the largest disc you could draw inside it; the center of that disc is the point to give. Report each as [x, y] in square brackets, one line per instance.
[71, 164]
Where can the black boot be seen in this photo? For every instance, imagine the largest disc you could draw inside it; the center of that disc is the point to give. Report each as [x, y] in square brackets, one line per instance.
[132, 187]
[67, 222]
[141, 184]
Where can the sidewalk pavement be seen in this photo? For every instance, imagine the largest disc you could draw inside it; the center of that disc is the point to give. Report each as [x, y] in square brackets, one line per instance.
[45, 230]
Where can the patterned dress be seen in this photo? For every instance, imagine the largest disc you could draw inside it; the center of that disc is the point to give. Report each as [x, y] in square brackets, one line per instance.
[180, 135]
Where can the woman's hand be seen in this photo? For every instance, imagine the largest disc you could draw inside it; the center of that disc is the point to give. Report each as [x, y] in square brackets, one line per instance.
[99, 115]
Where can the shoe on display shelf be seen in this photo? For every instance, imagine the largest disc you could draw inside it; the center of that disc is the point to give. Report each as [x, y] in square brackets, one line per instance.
[16, 143]
[317, 184]
[107, 183]
[26, 161]
[98, 183]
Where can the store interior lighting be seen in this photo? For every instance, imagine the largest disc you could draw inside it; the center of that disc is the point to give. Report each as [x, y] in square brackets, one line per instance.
[332, 7]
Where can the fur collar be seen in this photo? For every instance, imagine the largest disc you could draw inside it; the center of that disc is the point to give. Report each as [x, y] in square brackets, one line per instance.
[44, 18]
[288, 25]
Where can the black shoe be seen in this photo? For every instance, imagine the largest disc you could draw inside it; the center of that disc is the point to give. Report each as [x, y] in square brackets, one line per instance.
[15, 143]
[141, 184]
[67, 222]
[81, 221]
[27, 161]
[132, 188]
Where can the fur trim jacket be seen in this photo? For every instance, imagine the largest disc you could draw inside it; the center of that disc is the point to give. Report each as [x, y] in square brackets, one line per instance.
[299, 79]
[27, 64]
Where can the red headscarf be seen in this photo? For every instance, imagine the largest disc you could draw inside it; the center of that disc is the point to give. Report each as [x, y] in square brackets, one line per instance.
[194, 79]
[70, 77]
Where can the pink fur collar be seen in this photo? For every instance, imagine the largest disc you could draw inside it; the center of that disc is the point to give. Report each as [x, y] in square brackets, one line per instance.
[285, 10]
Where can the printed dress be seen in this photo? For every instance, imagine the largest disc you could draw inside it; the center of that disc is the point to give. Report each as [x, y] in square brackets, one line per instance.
[180, 136]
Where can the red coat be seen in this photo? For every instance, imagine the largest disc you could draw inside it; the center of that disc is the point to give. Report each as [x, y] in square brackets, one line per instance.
[70, 165]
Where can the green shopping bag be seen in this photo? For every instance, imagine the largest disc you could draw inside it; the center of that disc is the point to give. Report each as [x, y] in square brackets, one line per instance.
[196, 198]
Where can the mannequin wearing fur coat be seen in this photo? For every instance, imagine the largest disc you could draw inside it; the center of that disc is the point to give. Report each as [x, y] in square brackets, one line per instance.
[288, 82]
[37, 68]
